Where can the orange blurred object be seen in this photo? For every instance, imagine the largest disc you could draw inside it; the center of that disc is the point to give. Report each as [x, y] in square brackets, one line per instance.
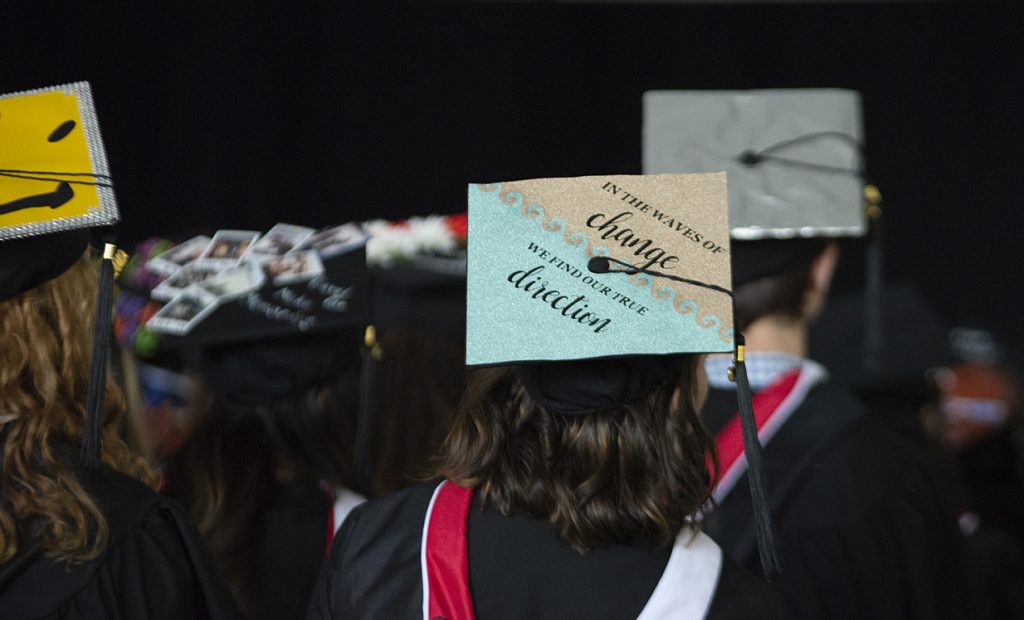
[976, 399]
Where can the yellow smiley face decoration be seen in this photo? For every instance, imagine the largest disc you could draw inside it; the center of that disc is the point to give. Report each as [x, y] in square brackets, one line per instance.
[53, 169]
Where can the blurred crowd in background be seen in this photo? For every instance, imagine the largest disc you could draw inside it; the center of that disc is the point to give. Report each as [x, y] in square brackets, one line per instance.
[244, 471]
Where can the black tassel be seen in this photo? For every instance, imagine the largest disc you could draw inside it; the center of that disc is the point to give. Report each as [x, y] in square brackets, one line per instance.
[873, 281]
[363, 477]
[764, 529]
[92, 434]
[771, 563]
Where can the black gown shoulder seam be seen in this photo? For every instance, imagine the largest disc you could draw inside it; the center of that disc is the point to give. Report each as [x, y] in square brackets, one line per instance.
[157, 502]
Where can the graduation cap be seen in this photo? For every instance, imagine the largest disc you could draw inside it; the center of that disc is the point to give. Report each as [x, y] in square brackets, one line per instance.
[797, 176]
[583, 283]
[419, 311]
[418, 268]
[421, 298]
[837, 339]
[262, 317]
[55, 187]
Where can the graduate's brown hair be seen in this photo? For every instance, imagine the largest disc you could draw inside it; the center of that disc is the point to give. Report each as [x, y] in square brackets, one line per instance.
[779, 295]
[628, 475]
[237, 459]
[780, 292]
[45, 354]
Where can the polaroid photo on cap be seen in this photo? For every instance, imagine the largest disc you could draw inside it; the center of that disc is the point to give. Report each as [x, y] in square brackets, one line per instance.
[233, 282]
[228, 247]
[280, 240]
[182, 313]
[294, 267]
[336, 240]
[168, 262]
[192, 273]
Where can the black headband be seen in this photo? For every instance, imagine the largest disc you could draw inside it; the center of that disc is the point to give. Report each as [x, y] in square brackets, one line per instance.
[27, 263]
[753, 260]
[258, 373]
[580, 387]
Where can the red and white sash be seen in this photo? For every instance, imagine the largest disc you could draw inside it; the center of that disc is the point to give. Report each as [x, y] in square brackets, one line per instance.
[444, 556]
[684, 591]
[772, 407]
[342, 501]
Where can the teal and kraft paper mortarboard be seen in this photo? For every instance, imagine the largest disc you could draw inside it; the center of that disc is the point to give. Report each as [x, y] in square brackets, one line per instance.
[793, 156]
[546, 283]
[531, 296]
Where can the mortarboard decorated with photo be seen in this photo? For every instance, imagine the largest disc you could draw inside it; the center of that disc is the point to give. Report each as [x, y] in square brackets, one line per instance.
[547, 276]
[245, 286]
[262, 317]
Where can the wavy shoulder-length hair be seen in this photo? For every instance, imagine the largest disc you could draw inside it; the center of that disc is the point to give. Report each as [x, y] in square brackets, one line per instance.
[634, 474]
[45, 355]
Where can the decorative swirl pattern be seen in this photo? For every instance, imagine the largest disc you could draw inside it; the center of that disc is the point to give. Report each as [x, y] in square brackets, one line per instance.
[534, 211]
[681, 304]
[709, 321]
[514, 199]
[575, 238]
[488, 187]
[553, 225]
[641, 279]
[686, 306]
[665, 293]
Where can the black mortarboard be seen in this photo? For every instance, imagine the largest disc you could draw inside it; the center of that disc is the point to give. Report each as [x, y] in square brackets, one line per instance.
[418, 275]
[913, 339]
[418, 268]
[420, 297]
[266, 318]
[235, 300]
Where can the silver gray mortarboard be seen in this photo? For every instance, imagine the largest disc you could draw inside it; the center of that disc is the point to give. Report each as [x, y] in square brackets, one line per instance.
[807, 180]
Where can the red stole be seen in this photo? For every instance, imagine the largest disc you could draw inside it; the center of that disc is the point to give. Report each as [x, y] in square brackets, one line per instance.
[772, 407]
[445, 556]
[684, 591]
[330, 520]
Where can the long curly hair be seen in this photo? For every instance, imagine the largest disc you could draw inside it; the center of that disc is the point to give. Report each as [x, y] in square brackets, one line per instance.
[45, 355]
[630, 475]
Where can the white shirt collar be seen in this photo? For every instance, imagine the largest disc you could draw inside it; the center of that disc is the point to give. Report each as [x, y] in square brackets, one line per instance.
[763, 369]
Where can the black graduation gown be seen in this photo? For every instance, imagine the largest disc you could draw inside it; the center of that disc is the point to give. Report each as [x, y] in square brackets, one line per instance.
[288, 542]
[155, 565]
[864, 525]
[518, 569]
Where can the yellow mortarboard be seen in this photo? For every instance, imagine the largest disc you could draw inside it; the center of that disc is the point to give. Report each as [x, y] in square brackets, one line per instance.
[54, 187]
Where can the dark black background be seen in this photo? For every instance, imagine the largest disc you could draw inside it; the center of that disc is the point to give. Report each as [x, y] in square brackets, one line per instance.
[241, 115]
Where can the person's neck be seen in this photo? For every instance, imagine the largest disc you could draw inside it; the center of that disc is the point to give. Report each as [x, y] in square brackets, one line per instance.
[777, 335]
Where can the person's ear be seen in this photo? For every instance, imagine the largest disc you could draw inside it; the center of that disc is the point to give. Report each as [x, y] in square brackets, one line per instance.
[823, 268]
